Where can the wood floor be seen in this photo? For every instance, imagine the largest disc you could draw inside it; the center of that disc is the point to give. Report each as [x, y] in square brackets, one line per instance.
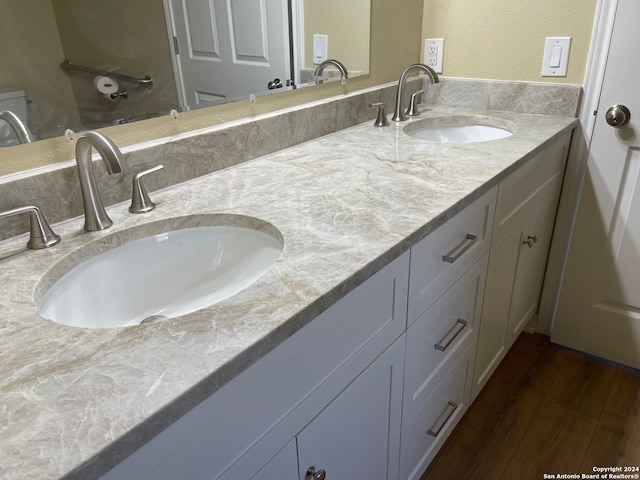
[548, 410]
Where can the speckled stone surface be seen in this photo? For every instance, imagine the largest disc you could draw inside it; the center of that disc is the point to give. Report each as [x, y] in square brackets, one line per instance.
[77, 401]
[521, 97]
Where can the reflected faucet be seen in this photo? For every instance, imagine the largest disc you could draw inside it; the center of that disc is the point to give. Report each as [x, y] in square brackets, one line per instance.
[20, 129]
[344, 74]
[95, 216]
[398, 113]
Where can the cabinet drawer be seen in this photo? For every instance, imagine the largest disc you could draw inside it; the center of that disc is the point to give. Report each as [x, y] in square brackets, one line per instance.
[436, 418]
[519, 193]
[441, 258]
[441, 334]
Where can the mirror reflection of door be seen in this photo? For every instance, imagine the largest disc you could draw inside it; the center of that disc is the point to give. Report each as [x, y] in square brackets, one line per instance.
[226, 48]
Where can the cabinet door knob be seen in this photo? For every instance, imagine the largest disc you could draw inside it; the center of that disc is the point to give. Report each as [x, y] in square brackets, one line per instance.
[313, 474]
[531, 239]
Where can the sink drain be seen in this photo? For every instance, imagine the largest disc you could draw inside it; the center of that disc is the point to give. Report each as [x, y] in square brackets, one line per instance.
[153, 318]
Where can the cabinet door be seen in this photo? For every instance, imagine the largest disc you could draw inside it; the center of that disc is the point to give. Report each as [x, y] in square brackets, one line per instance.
[358, 434]
[514, 281]
[532, 260]
[284, 466]
[503, 261]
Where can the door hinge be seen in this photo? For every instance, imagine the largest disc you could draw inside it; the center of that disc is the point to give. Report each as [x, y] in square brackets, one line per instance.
[176, 48]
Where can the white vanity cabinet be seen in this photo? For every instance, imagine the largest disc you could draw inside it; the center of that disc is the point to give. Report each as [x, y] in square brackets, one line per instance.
[372, 387]
[330, 395]
[446, 288]
[523, 226]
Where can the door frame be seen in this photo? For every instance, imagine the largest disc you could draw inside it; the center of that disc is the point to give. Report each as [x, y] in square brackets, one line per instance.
[576, 163]
[177, 70]
[296, 27]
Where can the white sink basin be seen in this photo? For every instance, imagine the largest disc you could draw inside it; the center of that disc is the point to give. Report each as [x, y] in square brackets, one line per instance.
[164, 275]
[459, 129]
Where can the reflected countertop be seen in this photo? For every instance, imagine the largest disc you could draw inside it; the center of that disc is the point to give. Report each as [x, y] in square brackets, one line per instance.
[347, 204]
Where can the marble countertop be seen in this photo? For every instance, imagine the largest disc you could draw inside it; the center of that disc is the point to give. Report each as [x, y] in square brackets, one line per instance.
[77, 401]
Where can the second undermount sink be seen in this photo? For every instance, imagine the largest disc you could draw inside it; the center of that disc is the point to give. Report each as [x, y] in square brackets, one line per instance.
[460, 129]
[163, 275]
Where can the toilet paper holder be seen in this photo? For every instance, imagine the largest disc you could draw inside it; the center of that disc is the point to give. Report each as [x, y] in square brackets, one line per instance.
[122, 93]
[146, 81]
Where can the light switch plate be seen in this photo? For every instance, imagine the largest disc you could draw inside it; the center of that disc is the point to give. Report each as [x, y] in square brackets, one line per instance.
[556, 56]
[320, 46]
[434, 53]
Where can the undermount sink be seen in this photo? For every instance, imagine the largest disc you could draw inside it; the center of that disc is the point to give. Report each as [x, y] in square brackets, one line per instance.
[164, 275]
[460, 129]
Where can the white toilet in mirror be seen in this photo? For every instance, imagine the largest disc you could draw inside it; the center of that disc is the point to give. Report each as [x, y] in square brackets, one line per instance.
[15, 101]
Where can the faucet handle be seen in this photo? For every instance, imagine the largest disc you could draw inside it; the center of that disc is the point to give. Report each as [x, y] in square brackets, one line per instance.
[41, 235]
[381, 120]
[140, 201]
[413, 111]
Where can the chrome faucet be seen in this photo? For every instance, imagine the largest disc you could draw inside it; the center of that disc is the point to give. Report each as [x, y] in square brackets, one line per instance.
[20, 129]
[344, 74]
[398, 113]
[40, 233]
[95, 216]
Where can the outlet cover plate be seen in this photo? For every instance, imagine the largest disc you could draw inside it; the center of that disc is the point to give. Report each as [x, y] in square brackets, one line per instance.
[434, 53]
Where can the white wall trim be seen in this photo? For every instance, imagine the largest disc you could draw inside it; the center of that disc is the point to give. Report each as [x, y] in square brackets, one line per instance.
[297, 17]
[177, 72]
[576, 164]
[597, 62]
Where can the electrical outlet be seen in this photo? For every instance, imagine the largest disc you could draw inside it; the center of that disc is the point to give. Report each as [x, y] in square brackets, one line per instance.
[434, 53]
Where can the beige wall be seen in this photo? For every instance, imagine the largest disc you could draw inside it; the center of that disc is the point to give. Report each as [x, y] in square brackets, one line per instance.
[504, 39]
[346, 23]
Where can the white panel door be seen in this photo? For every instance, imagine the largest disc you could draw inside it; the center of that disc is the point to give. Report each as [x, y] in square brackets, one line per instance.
[599, 306]
[229, 49]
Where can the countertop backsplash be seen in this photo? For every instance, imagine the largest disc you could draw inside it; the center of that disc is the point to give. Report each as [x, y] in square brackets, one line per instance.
[56, 189]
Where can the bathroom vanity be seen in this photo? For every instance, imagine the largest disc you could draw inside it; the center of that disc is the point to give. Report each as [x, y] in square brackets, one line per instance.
[355, 354]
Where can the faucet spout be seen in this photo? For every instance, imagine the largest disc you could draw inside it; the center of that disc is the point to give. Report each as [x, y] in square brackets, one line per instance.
[20, 129]
[344, 74]
[398, 113]
[95, 216]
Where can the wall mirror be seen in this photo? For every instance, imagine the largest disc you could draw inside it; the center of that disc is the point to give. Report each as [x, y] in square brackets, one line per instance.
[86, 64]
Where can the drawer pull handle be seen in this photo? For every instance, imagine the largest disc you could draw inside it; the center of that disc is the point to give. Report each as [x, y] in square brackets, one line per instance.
[451, 335]
[454, 255]
[443, 419]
